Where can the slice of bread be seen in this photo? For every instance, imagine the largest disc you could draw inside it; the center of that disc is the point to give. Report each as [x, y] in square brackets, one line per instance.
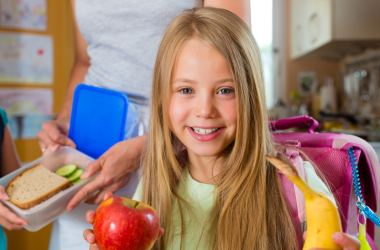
[35, 185]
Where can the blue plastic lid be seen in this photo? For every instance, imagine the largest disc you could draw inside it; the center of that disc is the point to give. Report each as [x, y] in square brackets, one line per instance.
[98, 119]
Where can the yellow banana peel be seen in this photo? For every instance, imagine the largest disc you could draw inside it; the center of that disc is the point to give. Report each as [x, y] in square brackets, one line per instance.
[322, 216]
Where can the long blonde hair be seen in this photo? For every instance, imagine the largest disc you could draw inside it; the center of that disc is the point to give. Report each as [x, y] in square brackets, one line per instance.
[250, 209]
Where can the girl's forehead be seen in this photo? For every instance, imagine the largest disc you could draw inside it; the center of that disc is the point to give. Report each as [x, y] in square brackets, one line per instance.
[199, 51]
[195, 43]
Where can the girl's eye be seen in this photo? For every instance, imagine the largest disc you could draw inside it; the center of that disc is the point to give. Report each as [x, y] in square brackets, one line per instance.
[225, 91]
[186, 91]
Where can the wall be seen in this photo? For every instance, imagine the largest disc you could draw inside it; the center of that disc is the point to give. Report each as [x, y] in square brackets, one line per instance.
[60, 27]
[322, 68]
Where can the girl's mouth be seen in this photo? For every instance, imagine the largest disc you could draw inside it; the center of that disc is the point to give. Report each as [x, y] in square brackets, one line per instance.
[204, 131]
[205, 134]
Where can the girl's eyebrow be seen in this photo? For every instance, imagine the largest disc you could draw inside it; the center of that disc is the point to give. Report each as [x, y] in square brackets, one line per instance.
[183, 80]
[191, 81]
[225, 80]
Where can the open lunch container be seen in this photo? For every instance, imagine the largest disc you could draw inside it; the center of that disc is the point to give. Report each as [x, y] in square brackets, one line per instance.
[49, 210]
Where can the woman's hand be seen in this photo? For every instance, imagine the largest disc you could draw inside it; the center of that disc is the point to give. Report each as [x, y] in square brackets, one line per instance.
[8, 219]
[88, 234]
[115, 166]
[54, 134]
[348, 242]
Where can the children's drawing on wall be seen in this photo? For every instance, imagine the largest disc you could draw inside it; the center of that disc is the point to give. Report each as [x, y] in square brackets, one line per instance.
[23, 14]
[27, 109]
[26, 58]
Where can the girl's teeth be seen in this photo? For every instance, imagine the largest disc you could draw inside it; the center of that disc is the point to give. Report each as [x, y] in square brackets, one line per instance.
[202, 131]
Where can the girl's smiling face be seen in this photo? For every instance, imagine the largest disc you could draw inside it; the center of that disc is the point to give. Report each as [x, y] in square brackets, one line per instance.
[202, 101]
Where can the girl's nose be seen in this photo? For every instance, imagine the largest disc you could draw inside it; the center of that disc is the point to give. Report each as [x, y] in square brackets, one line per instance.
[205, 108]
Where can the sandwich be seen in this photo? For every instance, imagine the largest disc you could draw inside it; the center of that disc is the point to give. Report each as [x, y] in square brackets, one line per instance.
[34, 186]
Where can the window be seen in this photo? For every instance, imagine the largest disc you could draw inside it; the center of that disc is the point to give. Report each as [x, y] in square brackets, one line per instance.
[268, 25]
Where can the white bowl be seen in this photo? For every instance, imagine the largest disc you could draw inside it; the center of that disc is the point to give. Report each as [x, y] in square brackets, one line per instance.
[49, 210]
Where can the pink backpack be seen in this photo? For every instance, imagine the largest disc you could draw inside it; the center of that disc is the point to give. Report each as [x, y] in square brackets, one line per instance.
[336, 156]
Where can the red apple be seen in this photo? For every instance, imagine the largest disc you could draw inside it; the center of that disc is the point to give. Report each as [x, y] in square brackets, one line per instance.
[122, 223]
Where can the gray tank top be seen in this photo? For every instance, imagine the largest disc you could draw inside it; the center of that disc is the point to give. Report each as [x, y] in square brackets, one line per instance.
[123, 38]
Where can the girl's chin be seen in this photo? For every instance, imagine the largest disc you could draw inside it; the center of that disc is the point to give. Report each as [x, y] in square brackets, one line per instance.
[203, 153]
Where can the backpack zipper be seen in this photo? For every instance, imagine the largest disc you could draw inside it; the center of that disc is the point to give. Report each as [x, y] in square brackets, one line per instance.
[363, 208]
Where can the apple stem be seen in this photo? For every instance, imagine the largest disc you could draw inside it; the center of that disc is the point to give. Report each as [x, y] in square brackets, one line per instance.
[136, 204]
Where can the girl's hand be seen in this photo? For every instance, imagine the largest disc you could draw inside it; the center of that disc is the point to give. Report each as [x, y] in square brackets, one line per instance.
[348, 242]
[88, 234]
[8, 219]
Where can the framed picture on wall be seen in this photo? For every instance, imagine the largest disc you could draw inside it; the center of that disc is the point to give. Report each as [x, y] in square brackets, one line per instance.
[307, 82]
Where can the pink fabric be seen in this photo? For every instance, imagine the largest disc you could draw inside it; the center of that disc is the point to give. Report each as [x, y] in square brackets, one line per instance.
[329, 153]
[307, 140]
[369, 171]
[289, 191]
[294, 122]
[347, 141]
[300, 198]
[333, 165]
[371, 242]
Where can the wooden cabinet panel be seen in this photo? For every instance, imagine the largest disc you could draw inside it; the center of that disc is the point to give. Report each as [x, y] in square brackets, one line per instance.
[332, 29]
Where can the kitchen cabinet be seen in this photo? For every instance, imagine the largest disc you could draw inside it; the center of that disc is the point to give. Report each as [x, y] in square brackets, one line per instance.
[332, 29]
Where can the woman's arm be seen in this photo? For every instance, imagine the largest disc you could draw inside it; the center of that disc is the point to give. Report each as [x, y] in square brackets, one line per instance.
[55, 133]
[9, 156]
[241, 8]
[80, 68]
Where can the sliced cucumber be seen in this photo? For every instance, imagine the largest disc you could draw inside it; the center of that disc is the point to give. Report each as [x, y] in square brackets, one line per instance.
[76, 181]
[67, 170]
[76, 175]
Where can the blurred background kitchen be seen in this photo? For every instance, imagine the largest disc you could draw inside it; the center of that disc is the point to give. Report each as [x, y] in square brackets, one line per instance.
[321, 58]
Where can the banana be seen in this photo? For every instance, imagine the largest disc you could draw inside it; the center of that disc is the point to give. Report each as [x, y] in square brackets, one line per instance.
[322, 215]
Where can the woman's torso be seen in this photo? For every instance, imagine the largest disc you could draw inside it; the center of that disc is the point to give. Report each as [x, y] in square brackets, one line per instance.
[123, 38]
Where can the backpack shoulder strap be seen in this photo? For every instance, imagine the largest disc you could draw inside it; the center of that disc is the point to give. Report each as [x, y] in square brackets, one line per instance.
[294, 196]
[300, 198]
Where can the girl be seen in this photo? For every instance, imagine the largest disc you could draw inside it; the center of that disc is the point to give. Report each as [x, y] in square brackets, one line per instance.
[208, 97]
[9, 162]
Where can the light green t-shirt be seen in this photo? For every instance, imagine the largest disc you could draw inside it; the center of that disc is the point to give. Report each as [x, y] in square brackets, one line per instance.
[201, 197]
